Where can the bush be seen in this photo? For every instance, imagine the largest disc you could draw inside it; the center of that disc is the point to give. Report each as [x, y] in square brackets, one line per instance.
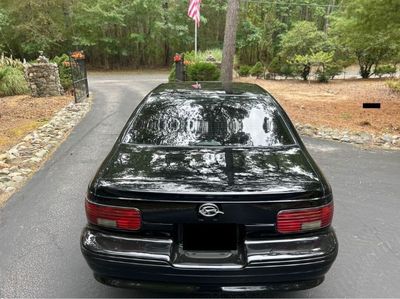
[64, 70]
[12, 81]
[244, 70]
[394, 85]
[286, 70]
[333, 70]
[322, 77]
[203, 71]
[203, 55]
[172, 74]
[257, 70]
[281, 68]
[386, 69]
[10, 61]
[328, 72]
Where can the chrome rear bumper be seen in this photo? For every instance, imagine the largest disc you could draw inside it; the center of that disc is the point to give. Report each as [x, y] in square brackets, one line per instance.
[279, 251]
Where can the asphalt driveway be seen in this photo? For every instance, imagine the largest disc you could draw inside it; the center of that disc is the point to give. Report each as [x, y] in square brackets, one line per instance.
[41, 224]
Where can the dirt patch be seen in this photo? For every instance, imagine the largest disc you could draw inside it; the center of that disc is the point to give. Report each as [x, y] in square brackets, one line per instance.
[20, 115]
[338, 104]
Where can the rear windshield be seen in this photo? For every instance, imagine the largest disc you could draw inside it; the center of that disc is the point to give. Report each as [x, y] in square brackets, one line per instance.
[211, 121]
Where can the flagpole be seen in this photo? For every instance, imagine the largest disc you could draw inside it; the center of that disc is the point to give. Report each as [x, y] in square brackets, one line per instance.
[195, 39]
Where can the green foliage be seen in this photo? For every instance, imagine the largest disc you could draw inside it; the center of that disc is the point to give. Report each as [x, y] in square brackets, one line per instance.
[203, 71]
[11, 62]
[12, 81]
[244, 70]
[394, 85]
[64, 70]
[257, 70]
[202, 56]
[333, 69]
[326, 69]
[299, 43]
[172, 74]
[385, 69]
[4, 23]
[287, 70]
[280, 67]
[119, 33]
[322, 77]
[302, 39]
[369, 44]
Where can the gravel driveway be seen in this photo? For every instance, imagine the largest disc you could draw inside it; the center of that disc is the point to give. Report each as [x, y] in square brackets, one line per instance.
[40, 226]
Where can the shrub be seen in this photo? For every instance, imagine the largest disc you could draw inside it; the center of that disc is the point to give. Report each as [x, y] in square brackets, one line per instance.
[257, 70]
[332, 70]
[386, 69]
[12, 81]
[286, 70]
[172, 74]
[203, 55]
[328, 72]
[394, 85]
[10, 61]
[244, 70]
[281, 68]
[203, 71]
[64, 70]
[322, 76]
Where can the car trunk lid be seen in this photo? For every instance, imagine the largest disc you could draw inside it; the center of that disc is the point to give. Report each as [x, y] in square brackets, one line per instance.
[207, 170]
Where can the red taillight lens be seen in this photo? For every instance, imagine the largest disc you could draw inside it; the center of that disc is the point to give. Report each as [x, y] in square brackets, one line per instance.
[114, 217]
[301, 220]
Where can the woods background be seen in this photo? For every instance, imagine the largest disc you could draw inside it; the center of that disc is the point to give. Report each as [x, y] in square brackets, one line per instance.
[141, 33]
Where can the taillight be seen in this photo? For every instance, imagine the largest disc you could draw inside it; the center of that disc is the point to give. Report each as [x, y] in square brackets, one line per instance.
[302, 220]
[114, 217]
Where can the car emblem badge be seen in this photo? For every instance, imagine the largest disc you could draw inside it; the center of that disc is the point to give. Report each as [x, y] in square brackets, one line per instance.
[209, 210]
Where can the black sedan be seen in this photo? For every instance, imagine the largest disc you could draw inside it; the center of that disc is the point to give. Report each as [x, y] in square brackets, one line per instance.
[209, 190]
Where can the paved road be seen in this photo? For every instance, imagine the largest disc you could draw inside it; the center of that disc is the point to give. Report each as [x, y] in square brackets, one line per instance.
[41, 224]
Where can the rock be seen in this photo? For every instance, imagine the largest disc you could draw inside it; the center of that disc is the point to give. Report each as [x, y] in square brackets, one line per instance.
[10, 189]
[34, 160]
[4, 179]
[14, 174]
[387, 138]
[3, 157]
[18, 178]
[10, 157]
[3, 165]
[345, 138]
[4, 171]
[26, 170]
[357, 140]
[41, 153]
[365, 137]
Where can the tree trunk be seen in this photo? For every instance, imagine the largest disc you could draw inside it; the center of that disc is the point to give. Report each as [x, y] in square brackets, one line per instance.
[228, 53]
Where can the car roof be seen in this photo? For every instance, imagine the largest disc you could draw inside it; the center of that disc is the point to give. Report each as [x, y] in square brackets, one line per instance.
[215, 88]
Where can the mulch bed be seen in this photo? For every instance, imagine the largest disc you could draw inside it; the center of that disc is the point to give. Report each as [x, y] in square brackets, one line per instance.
[20, 115]
[338, 104]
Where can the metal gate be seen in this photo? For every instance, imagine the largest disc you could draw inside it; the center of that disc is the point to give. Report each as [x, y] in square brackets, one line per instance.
[79, 75]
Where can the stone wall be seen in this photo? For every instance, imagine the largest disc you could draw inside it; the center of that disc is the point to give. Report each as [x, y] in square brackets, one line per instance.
[43, 79]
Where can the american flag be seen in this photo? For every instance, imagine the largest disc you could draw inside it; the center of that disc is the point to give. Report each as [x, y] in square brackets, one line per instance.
[194, 11]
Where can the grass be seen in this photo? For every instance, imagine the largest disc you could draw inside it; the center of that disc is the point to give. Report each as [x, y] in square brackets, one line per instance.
[345, 116]
[12, 82]
[394, 85]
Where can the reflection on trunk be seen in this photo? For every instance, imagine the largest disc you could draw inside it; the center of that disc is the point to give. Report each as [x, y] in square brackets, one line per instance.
[210, 169]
